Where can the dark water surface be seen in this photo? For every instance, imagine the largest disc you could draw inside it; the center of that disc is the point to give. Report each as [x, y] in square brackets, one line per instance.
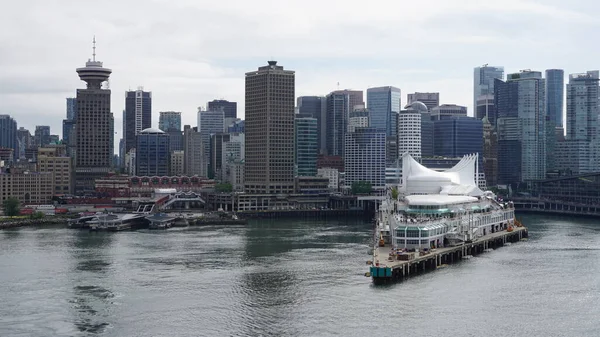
[291, 278]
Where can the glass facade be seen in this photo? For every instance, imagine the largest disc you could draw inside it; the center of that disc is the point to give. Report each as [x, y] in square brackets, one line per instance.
[555, 89]
[169, 121]
[306, 146]
[484, 81]
[315, 107]
[459, 136]
[8, 134]
[152, 153]
[228, 108]
[137, 115]
[384, 105]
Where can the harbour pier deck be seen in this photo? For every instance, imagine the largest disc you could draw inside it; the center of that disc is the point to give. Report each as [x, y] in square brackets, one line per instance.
[386, 269]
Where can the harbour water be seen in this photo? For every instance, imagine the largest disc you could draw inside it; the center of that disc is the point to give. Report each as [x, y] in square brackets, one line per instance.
[291, 278]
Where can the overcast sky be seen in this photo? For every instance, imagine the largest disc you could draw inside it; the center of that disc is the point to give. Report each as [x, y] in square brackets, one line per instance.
[188, 52]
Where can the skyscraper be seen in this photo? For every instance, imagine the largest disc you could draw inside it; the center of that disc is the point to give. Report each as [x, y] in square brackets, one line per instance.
[339, 105]
[42, 135]
[71, 108]
[448, 111]
[169, 120]
[365, 157]
[483, 90]
[152, 153]
[137, 115]
[8, 134]
[384, 105]
[193, 151]
[521, 113]
[430, 99]
[24, 141]
[409, 130]
[555, 87]
[490, 153]
[459, 136]
[269, 166]
[581, 147]
[93, 126]
[209, 122]
[229, 108]
[306, 149]
[315, 107]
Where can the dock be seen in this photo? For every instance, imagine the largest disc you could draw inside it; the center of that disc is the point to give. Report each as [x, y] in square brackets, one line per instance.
[387, 268]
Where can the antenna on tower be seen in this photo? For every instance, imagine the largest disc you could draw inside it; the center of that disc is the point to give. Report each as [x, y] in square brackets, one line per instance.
[94, 49]
[338, 85]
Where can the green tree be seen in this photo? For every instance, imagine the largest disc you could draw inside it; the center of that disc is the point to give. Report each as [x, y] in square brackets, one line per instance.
[395, 193]
[11, 207]
[37, 215]
[361, 187]
[223, 187]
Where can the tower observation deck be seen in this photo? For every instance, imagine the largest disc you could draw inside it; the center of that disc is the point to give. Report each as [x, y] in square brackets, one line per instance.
[93, 73]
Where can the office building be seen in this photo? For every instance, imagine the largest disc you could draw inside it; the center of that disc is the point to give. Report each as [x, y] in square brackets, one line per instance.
[31, 188]
[365, 157]
[448, 111]
[521, 124]
[209, 122]
[315, 107]
[177, 163]
[229, 108]
[269, 164]
[238, 126]
[306, 147]
[430, 99]
[137, 115]
[333, 175]
[384, 105]
[490, 153]
[339, 105]
[217, 143]
[8, 135]
[193, 151]
[55, 160]
[93, 128]
[427, 135]
[483, 89]
[42, 135]
[169, 121]
[359, 118]
[580, 153]
[459, 136]
[152, 153]
[409, 130]
[71, 108]
[555, 88]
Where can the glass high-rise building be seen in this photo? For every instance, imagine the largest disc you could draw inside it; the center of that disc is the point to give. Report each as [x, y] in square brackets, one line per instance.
[555, 89]
[315, 107]
[459, 136]
[42, 135]
[306, 149]
[340, 104]
[169, 121]
[8, 134]
[228, 108]
[521, 113]
[137, 115]
[71, 108]
[483, 90]
[152, 153]
[384, 105]
[209, 123]
[269, 127]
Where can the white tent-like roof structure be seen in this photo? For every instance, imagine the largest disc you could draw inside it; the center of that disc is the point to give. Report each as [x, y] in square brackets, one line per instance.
[459, 180]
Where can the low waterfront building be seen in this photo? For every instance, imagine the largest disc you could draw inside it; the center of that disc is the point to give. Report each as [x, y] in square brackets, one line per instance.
[333, 175]
[55, 160]
[312, 185]
[29, 187]
[144, 186]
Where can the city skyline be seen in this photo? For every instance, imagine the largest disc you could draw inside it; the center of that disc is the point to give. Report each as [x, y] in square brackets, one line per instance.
[194, 68]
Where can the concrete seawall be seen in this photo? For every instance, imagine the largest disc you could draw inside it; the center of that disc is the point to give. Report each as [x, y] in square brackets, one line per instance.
[14, 223]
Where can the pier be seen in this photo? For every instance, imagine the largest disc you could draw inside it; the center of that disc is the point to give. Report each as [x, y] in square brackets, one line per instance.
[388, 268]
